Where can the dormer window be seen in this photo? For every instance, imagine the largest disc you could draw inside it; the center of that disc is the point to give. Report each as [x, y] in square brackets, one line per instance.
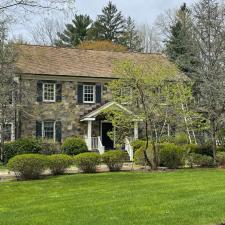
[49, 92]
[89, 93]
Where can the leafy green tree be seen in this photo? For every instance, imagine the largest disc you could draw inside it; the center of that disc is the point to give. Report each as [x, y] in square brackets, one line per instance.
[131, 37]
[76, 32]
[144, 80]
[109, 25]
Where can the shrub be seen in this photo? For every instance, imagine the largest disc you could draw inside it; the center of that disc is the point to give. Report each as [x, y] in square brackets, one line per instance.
[21, 146]
[49, 147]
[220, 158]
[88, 161]
[199, 149]
[202, 160]
[139, 158]
[220, 149]
[58, 163]
[171, 155]
[137, 144]
[74, 146]
[28, 166]
[181, 139]
[114, 159]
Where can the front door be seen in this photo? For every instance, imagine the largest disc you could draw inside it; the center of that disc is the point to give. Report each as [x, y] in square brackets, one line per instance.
[106, 141]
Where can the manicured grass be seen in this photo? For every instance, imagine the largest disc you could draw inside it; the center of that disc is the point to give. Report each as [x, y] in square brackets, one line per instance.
[128, 198]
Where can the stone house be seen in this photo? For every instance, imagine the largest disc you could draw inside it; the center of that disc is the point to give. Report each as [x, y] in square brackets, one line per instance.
[68, 90]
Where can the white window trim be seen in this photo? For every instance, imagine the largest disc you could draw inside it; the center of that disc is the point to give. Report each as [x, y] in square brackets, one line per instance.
[12, 131]
[43, 92]
[94, 93]
[54, 130]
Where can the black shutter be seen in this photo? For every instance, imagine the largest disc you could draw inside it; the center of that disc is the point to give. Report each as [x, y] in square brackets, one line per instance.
[80, 93]
[38, 129]
[39, 91]
[98, 93]
[58, 91]
[58, 131]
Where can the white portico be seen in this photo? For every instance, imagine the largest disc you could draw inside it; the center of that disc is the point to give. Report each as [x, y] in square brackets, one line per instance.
[102, 141]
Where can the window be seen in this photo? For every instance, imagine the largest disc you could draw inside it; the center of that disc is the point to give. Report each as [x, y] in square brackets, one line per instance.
[89, 93]
[48, 130]
[49, 90]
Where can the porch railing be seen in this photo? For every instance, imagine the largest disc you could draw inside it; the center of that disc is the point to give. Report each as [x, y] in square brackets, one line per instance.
[94, 144]
[129, 149]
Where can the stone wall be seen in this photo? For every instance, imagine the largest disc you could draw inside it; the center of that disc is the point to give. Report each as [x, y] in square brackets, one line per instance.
[68, 111]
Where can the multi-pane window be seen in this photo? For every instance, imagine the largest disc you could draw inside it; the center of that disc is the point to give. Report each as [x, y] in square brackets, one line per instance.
[49, 90]
[89, 93]
[48, 130]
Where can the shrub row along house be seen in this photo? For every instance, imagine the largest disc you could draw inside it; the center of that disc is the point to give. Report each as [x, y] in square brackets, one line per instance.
[67, 91]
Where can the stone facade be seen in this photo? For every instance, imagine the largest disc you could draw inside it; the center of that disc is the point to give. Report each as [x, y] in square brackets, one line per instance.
[68, 111]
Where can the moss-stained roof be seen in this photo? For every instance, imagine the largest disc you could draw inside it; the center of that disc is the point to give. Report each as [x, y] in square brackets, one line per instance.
[45, 60]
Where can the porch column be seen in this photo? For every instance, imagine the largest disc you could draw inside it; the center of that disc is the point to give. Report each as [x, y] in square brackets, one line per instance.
[135, 130]
[89, 135]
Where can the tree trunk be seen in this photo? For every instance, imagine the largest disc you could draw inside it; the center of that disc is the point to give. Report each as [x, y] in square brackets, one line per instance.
[213, 137]
[146, 146]
[155, 162]
[2, 147]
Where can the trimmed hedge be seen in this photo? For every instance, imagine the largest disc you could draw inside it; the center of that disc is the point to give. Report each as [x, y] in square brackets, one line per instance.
[29, 145]
[137, 144]
[220, 158]
[21, 146]
[139, 158]
[171, 155]
[114, 159]
[88, 161]
[28, 166]
[200, 160]
[74, 146]
[199, 149]
[58, 163]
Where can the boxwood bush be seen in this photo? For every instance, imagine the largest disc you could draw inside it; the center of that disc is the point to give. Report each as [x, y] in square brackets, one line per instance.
[139, 158]
[28, 166]
[114, 159]
[220, 158]
[171, 155]
[74, 146]
[49, 147]
[202, 160]
[87, 162]
[199, 149]
[21, 146]
[58, 163]
[137, 144]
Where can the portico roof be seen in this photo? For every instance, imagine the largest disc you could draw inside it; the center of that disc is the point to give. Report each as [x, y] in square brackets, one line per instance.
[92, 115]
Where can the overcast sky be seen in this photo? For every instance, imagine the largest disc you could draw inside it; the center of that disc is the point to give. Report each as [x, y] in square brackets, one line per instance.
[142, 11]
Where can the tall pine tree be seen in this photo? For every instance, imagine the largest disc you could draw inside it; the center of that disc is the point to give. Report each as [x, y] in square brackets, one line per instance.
[178, 45]
[76, 32]
[109, 25]
[131, 37]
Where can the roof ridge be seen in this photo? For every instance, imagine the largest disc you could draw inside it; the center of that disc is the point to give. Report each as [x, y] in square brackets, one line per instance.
[92, 50]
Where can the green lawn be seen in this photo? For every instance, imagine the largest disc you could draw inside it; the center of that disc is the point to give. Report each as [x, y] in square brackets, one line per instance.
[185, 197]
